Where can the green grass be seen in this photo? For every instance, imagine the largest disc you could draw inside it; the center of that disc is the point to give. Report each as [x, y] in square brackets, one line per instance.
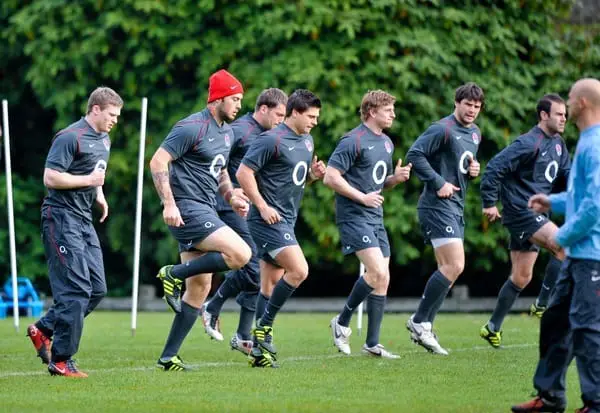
[313, 377]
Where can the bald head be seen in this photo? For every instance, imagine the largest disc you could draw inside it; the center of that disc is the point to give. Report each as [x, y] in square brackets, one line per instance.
[584, 102]
[588, 89]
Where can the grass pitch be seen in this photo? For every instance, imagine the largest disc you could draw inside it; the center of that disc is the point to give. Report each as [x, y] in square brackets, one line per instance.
[313, 377]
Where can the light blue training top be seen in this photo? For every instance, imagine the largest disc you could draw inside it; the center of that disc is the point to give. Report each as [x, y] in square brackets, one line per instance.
[580, 235]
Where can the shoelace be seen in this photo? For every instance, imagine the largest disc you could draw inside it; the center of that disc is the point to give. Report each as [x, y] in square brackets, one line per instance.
[72, 366]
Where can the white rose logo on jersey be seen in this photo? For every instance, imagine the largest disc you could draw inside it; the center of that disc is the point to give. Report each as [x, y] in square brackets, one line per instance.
[558, 150]
[475, 138]
[388, 147]
[227, 141]
[106, 143]
[309, 145]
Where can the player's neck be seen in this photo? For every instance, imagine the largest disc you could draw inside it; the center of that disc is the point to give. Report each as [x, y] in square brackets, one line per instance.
[91, 123]
[544, 128]
[290, 124]
[215, 114]
[587, 119]
[373, 127]
[259, 119]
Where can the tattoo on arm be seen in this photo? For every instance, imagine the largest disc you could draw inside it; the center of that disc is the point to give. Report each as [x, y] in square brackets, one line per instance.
[161, 183]
[225, 186]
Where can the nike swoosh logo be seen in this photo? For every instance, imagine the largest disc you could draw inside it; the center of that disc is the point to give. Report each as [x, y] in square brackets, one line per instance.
[291, 148]
[211, 139]
[92, 145]
[521, 236]
[232, 87]
[594, 279]
[544, 153]
[371, 147]
[61, 371]
[190, 243]
[265, 244]
[458, 137]
[335, 333]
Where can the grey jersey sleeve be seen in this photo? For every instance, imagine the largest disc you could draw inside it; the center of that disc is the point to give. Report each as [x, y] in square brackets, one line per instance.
[62, 152]
[426, 146]
[505, 162]
[344, 155]
[260, 152]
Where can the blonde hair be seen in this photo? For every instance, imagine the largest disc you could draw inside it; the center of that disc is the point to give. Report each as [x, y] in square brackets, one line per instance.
[103, 96]
[374, 99]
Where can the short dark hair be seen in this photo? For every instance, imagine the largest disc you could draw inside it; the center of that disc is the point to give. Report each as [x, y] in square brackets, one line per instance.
[271, 98]
[103, 96]
[469, 91]
[302, 100]
[545, 104]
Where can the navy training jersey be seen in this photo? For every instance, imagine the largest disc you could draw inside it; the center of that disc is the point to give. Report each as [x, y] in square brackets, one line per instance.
[200, 149]
[527, 166]
[441, 154]
[245, 130]
[280, 159]
[365, 161]
[77, 150]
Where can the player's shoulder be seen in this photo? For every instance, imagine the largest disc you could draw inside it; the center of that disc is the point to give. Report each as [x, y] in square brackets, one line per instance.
[270, 137]
[354, 136]
[245, 126]
[532, 138]
[441, 126]
[72, 132]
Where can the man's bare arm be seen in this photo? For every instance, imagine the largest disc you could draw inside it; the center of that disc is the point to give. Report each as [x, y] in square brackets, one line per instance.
[159, 167]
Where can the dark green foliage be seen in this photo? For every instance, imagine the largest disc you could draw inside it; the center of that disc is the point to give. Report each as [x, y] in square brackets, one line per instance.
[55, 52]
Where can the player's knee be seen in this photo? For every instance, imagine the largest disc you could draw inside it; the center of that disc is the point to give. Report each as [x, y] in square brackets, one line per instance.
[239, 256]
[298, 275]
[522, 278]
[452, 271]
[98, 293]
[377, 276]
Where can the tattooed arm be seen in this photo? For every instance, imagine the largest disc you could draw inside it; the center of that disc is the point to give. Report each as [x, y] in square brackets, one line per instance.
[159, 166]
[235, 197]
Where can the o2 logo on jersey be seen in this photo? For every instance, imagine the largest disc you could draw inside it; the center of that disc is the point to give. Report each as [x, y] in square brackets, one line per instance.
[379, 178]
[216, 165]
[476, 138]
[558, 149]
[464, 160]
[300, 178]
[100, 165]
[227, 140]
[309, 145]
[551, 171]
[388, 147]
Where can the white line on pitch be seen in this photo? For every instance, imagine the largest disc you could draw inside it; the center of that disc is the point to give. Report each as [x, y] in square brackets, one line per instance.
[239, 363]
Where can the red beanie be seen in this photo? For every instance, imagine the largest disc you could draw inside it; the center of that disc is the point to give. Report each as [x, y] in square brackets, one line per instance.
[222, 84]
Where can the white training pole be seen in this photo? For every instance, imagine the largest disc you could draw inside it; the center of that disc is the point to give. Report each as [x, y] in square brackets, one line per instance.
[138, 218]
[360, 306]
[11, 215]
